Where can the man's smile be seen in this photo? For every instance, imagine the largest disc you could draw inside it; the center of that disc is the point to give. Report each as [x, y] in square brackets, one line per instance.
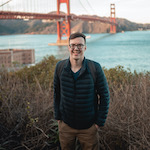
[76, 51]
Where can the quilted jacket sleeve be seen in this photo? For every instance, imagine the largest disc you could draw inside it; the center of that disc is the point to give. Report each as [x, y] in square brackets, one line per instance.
[56, 85]
[103, 92]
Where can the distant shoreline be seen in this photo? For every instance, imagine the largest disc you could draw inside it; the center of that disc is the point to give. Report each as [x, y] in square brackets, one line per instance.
[56, 33]
[13, 27]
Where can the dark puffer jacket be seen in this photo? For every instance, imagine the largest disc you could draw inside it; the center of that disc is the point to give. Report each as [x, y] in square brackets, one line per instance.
[75, 101]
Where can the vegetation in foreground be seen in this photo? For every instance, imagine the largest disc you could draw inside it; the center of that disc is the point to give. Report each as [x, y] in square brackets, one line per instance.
[26, 109]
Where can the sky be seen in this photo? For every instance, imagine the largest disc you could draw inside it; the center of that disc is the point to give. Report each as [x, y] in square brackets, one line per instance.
[133, 10]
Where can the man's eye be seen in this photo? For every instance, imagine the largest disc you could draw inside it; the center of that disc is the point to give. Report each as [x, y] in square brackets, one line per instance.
[79, 46]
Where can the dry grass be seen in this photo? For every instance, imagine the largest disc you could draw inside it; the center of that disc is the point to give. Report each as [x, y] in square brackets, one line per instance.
[26, 113]
[128, 123]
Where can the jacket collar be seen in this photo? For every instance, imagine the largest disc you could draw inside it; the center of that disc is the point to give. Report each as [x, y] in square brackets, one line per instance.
[68, 65]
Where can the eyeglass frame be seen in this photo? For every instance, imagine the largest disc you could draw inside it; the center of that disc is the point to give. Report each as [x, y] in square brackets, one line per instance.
[76, 45]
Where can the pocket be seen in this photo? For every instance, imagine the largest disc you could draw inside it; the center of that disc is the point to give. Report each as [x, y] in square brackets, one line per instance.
[94, 128]
[59, 125]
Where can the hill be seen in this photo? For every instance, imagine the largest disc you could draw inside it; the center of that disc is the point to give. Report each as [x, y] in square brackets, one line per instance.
[50, 27]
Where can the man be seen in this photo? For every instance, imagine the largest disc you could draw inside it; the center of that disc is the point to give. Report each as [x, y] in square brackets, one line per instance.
[76, 105]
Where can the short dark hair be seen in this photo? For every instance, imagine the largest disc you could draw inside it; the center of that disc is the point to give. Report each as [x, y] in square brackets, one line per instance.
[77, 34]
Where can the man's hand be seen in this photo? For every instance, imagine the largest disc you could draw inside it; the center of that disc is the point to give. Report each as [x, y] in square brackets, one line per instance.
[97, 127]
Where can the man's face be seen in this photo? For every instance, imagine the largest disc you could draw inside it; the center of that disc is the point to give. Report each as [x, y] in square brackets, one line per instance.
[77, 48]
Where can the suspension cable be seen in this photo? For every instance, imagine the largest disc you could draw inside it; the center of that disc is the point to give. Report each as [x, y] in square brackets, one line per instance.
[91, 6]
[5, 3]
[83, 7]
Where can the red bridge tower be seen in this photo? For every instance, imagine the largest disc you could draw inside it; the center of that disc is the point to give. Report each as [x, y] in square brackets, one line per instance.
[112, 18]
[63, 27]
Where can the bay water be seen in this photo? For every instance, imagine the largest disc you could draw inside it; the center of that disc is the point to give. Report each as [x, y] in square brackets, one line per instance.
[128, 49]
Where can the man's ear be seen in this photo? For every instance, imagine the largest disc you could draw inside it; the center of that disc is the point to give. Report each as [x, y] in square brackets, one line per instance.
[85, 48]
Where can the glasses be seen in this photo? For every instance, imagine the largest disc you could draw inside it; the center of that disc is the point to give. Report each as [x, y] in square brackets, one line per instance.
[79, 46]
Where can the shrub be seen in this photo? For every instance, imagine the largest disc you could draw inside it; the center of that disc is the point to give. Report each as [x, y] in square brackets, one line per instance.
[26, 109]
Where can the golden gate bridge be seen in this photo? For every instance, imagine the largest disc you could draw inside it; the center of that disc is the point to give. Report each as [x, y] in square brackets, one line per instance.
[27, 10]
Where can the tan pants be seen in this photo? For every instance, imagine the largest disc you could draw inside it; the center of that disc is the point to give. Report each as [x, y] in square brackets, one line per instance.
[88, 138]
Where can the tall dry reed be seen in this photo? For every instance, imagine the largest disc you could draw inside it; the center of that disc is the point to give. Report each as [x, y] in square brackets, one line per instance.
[26, 115]
[128, 123]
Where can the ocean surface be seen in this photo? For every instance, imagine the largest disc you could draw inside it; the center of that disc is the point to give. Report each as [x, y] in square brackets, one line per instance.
[128, 49]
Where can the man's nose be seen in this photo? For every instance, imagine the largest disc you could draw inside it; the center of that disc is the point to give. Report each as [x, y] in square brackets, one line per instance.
[76, 47]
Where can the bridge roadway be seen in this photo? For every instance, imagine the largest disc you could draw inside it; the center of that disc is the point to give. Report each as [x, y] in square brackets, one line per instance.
[57, 17]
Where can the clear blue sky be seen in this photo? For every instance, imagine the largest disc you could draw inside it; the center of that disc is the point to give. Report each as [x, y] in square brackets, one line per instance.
[134, 10]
